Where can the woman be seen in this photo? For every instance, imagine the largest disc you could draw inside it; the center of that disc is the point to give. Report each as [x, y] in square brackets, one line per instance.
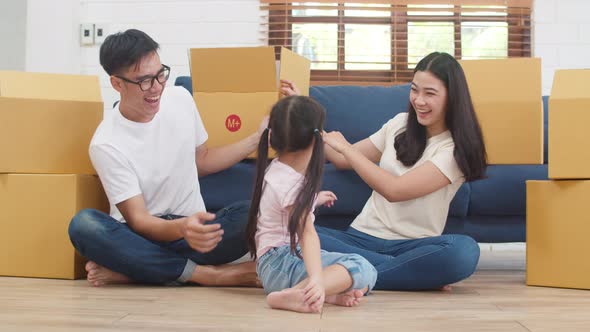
[423, 157]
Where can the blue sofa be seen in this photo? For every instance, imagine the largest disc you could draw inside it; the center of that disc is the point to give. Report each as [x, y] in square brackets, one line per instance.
[489, 210]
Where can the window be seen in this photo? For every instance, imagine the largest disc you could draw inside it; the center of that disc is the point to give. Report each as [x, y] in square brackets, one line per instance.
[380, 41]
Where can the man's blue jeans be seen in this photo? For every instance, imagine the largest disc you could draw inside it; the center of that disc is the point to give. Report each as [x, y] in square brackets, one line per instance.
[416, 264]
[111, 244]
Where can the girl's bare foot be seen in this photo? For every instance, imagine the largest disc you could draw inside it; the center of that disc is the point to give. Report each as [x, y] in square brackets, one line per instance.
[290, 299]
[347, 299]
[100, 275]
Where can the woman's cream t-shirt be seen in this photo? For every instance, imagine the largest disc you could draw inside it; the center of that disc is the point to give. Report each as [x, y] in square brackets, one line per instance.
[417, 218]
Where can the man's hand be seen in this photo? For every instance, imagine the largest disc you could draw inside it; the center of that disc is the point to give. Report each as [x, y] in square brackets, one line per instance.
[326, 198]
[288, 88]
[336, 141]
[200, 236]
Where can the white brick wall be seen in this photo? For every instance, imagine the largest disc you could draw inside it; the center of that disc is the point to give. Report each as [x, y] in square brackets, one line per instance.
[585, 33]
[561, 36]
[176, 25]
[13, 34]
[52, 36]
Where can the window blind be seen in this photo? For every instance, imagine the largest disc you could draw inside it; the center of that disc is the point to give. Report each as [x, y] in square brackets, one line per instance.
[380, 41]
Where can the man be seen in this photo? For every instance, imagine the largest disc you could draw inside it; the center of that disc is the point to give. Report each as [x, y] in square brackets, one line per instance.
[148, 152]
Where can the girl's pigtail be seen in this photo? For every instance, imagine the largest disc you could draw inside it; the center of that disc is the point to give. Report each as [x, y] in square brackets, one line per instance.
[261, 164]
[306, 197]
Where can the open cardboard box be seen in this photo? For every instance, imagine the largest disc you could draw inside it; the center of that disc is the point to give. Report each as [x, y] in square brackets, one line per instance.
[234, 88]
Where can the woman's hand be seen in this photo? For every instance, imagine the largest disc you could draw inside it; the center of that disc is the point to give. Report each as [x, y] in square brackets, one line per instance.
[288, 88]
[336, 141]
[326, 198]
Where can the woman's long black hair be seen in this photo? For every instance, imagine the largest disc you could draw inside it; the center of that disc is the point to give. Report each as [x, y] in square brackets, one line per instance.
[460, 119]
[295, 123]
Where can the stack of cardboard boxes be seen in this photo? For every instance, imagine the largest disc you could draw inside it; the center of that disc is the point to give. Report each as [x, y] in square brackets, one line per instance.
[558, 211]
[46, 124]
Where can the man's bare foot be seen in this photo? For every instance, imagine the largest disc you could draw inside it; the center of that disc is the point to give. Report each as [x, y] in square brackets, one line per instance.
[347, 299]
[243, 274]
[291, 299]
[100, 275]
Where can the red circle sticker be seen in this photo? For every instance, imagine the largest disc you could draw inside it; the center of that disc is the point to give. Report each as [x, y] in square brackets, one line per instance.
[233, 123]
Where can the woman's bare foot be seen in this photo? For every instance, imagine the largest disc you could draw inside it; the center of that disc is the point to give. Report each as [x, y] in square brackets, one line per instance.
[243, 274]
[446, 288]
[100, 275]
[347, 299]
[291, 299]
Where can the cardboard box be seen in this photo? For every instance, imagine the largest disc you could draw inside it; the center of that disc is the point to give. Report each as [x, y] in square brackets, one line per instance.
[36, 211]
[557, 227]
[47, 122]
[507, 96]
[569, 115]
[234, 88]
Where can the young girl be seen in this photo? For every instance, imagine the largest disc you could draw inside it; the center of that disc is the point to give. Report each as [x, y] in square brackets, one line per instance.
[280, 230]
[415, 164]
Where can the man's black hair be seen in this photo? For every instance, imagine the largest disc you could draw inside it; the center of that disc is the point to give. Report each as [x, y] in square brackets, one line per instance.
[124, 49]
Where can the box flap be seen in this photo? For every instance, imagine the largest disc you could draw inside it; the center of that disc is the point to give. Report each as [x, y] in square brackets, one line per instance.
[241, 69]
[44, 86]
[500, 80]
[571, 84]
[295, 68]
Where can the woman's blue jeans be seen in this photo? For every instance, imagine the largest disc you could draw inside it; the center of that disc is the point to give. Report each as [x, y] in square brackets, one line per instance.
[416, 264]
[114, 245]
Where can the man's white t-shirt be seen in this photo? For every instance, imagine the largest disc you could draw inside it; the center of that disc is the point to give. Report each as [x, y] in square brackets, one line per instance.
[154, 159]
[417, 218]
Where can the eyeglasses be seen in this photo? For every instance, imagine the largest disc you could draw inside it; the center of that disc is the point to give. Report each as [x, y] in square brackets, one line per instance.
[148, 83]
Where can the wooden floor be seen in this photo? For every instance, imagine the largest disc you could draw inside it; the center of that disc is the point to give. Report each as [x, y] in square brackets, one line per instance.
[495, 298]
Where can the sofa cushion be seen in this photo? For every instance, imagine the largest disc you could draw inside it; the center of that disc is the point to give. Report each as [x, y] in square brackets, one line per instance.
[228, 186]
[351, 190]
[186, 82]
[359, 111]
[460, 203]
[503, 192]
[489, 229]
